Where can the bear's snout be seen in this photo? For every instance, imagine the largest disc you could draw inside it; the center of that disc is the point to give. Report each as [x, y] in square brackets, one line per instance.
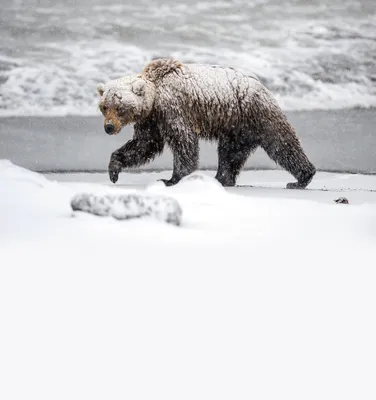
[109, 128]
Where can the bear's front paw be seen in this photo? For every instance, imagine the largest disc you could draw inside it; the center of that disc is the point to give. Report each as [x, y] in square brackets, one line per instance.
[114, 169]
[114, 176]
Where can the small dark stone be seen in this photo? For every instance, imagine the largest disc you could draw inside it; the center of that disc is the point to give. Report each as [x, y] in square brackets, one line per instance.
[342, 200]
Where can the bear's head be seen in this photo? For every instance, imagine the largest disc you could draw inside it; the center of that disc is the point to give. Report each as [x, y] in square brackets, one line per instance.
[124, 101]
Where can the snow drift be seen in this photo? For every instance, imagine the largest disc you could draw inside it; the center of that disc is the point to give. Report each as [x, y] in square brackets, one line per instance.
[250, 297]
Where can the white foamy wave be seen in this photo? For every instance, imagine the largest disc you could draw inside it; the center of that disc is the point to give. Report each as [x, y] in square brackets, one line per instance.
[67, 87]
[330, 97]
[66, 84]
[295, 88]
[311, 55]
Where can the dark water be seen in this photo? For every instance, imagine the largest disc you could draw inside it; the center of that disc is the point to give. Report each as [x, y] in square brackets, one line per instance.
[311, 54]
[338, 140]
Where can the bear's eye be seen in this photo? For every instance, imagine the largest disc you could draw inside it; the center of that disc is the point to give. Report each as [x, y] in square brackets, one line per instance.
[103, 109]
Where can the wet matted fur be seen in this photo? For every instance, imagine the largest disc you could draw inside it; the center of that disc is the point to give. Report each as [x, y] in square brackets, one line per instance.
[177, 104]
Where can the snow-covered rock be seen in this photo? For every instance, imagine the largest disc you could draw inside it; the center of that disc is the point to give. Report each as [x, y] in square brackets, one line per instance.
[127, 206]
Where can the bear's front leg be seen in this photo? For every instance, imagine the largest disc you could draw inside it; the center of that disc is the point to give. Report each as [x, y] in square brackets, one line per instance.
[185, 154]
[134, 153]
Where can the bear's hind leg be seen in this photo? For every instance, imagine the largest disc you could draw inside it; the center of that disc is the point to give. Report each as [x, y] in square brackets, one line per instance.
[186, 156]
[285, 149]
[233, 152]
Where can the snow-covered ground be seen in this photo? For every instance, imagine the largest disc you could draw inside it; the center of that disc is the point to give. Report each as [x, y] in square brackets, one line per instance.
[261, 293]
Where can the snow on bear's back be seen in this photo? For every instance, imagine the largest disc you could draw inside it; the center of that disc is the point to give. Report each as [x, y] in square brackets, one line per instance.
[213, 84]
[219, 77]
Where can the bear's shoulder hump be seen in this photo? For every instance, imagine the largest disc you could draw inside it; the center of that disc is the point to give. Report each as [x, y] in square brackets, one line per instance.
[157, 69]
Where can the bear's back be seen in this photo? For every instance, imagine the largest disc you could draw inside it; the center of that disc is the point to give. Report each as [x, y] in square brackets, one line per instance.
[209, 96]
[215, 73]
[209, 84]
[218, 81]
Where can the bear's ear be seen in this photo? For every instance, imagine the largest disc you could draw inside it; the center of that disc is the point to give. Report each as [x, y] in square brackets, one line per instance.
[138, 87]
[100, 89]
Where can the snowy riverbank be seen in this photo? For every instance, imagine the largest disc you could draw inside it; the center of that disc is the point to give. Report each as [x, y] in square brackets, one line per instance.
[261, 293]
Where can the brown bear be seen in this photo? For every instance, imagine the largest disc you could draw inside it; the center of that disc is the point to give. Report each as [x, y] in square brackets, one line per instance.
[177, 104]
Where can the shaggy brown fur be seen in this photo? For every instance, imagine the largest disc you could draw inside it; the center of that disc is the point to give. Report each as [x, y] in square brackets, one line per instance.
[157, 69]
[176, 104]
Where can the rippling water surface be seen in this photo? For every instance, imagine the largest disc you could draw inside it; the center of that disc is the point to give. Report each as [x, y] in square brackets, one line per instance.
[311, 54]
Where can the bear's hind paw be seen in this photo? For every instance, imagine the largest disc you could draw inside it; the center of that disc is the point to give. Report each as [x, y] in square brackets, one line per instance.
[295, 185]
